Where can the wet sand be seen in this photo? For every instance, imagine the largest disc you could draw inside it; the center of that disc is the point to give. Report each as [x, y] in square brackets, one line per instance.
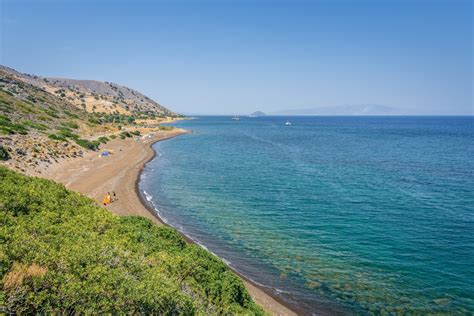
[94, 176]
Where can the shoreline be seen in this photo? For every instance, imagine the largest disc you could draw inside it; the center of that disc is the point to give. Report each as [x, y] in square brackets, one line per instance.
[93, 176]
[250, 285]
[254, 289]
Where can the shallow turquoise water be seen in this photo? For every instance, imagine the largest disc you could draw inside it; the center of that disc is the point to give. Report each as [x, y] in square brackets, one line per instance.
[333, 214]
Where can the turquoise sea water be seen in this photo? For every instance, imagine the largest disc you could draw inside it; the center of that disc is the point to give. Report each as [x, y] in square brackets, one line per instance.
[332, 214]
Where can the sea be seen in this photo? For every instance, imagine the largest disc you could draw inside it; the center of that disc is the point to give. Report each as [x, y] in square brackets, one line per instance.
[331, 215]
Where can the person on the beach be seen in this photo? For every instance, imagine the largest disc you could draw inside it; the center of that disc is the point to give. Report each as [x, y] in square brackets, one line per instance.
[107, 199]
[114, 196]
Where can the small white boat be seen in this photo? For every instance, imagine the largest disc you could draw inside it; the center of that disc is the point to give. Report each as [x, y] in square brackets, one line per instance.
[288, 123]
[236, 118]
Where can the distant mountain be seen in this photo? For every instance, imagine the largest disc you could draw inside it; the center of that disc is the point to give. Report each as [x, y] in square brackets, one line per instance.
[257, 114]
[360, 109]
[95, 96]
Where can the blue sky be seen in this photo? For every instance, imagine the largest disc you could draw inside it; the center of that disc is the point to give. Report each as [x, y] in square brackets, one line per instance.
[241, 56]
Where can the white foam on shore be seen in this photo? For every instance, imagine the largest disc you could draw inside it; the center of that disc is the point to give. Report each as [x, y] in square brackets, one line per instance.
[181, 230]
[197, 242]
[148, 197]
[278, 290]
[201, 245]
[157, 211]
[227, 262]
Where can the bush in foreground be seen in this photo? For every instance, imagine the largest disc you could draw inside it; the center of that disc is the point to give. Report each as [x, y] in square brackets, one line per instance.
[61, 253]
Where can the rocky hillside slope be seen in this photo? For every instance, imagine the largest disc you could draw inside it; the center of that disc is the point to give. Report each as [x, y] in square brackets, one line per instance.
[38, 127]
[96, 96]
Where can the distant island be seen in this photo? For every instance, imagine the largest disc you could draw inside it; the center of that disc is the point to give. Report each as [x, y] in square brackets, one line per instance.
[257, 114]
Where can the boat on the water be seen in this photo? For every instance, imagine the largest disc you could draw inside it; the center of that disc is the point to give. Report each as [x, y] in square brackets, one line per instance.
[288, 123]
[236, 118]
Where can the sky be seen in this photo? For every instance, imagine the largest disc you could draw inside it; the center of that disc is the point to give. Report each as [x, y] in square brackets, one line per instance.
[236, 57]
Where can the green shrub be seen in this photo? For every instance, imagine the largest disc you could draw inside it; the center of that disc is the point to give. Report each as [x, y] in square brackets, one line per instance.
[57, 137]
[8, 92]
[70, 124]
[62, 254]
[34, 125]
[4, 155]
[115, 118]
[9, 127]
[125, 134]
[166, 128]
[113, 136]
[5, 105]
[67, 133]
[103, 139]
[44, 118]
[94, 145]
[51, 113]
[71, 115]
[94, 121]
[136, 133]
[31, 98]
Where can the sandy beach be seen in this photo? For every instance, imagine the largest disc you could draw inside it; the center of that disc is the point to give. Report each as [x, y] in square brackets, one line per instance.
[94, 176]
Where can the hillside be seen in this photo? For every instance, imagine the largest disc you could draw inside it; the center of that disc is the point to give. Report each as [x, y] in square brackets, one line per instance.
[39, 128]
[96, 96]
[60, 253]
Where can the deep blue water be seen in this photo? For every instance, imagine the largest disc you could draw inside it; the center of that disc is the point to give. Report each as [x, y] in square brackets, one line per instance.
[335, 214]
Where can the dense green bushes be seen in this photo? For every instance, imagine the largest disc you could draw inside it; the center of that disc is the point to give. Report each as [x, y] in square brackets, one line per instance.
[73, 115]
[125, 134]
[61, 253]
[51, 112]
[92, 145]
[166, 128]
[129, 134]
[64, 134]
[34, 125]
[57, 137]
[9, 127]
[70, 124]
[67, 133]
[114, 118]
[103, 139]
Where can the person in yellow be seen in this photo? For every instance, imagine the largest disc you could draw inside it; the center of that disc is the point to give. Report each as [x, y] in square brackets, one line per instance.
[107, 199]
